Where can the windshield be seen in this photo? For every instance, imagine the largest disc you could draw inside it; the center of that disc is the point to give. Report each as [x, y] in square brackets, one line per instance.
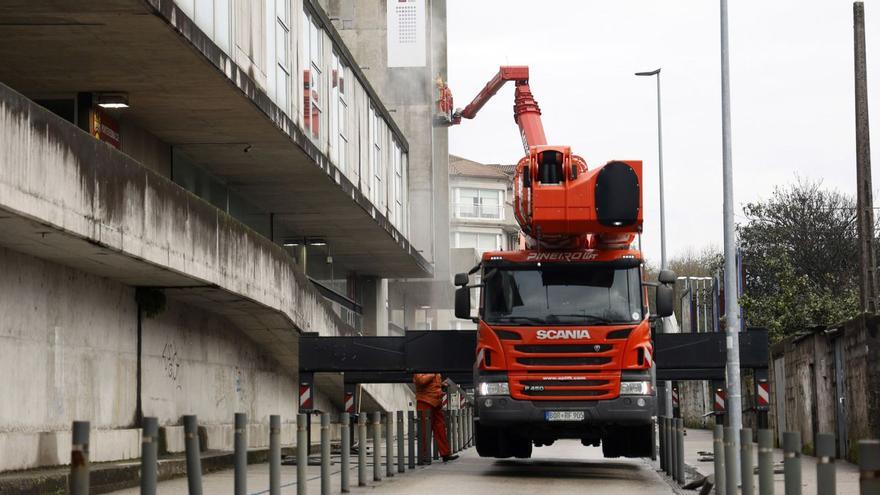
[562, 294]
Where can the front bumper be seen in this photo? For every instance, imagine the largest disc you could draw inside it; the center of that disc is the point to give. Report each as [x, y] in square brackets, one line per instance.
[622, 411]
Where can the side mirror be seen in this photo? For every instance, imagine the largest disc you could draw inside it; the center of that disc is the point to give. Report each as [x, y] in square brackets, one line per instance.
[463, 302]
[663, 300]
[461, 279]
[527, 178]
[666, 277]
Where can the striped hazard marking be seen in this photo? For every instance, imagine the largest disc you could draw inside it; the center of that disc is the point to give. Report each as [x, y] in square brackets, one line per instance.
[763, 393]
[720, 395]
[305, 396]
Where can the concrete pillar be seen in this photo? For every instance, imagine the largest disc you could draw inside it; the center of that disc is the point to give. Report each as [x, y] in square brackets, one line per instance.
[375, 304]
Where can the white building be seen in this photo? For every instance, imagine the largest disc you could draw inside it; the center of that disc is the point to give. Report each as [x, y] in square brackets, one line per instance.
[480, 215]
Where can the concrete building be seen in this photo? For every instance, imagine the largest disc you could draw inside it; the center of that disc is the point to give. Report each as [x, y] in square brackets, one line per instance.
[185, 186]
[401, 47]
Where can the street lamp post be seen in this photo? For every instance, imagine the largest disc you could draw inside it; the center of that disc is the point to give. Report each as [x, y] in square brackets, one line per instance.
[660, 163]
[667, 396]
[731, 290]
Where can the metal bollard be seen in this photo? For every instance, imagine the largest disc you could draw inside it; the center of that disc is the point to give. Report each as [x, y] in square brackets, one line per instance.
[826, 478]
[302, 454]
[274, 454]
[661, 426]
[730, 474]
[452, 433]
[400, 453]
[791, 448]
[765, 462]
[325, 453]
[467, 427]
[362, 449]
[470, 426]
[79, 459]
[377, 446]
[869, 467]
[239, 442]
[411, 437]
[389, 444]
[429, 437]
[670, 448]
[420, 437]
[193, 456]
[718, 454]
[673, 448]
[679, 451]
[746, 462]
[461, 428]
[149, 456]
[346, 453]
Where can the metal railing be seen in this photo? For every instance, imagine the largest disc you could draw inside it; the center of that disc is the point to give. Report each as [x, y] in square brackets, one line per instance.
[671, 436]
[413, 426]
[483, 212]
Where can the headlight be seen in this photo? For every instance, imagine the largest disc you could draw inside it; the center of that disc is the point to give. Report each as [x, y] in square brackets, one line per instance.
[635, 388]
[494, 388]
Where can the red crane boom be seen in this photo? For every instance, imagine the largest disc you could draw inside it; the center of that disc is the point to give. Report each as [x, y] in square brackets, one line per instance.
[558, 202]
[526, 113]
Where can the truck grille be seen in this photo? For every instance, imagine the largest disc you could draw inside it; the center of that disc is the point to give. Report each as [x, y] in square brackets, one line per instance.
[582, 357]
[564, 348]
[563, 361]
[575, 386]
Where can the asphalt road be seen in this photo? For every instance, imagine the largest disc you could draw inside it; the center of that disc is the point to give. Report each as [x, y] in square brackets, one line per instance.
[566, 467]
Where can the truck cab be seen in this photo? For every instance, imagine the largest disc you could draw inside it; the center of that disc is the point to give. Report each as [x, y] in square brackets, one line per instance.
[564, 350]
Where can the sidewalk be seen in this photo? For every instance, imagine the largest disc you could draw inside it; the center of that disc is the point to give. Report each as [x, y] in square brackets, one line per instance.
[222, 482]
[701, 440]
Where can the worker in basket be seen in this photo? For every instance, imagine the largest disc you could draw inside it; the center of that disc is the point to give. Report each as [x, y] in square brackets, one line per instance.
[430, 388]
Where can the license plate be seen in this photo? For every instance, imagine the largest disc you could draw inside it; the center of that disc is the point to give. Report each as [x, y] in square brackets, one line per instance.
[564, 415]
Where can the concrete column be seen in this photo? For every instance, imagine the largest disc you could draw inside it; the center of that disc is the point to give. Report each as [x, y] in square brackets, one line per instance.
[375, 306]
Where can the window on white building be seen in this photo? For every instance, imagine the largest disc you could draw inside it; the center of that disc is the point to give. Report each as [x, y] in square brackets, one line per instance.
[282, 54]
[377, 162]
[313, 47]
[338, 112]
[482, 242]
[397, 165]
[479, 203]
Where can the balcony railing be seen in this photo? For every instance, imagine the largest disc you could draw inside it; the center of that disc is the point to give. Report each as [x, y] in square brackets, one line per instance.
[483, 212]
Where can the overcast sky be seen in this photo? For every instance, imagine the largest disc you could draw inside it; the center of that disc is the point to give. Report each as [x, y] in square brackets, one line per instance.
[791, 94]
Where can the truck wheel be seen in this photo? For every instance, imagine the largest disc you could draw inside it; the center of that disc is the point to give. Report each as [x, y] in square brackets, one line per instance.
[486, 440]
[521, 448]
[640, 442]
[611, 444]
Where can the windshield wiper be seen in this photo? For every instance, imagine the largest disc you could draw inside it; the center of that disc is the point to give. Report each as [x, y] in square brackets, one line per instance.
[591, 318]
[515, 318]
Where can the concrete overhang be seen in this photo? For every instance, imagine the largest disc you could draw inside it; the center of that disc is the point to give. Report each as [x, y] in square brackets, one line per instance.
[186, 91]
[72, 200]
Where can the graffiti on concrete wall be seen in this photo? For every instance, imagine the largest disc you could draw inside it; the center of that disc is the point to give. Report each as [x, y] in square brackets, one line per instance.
[171, 362]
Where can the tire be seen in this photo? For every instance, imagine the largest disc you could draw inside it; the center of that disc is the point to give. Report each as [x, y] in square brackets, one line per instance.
[641, 441]
[633, 441]
[522, 448]
[611, 445]
[486, 440]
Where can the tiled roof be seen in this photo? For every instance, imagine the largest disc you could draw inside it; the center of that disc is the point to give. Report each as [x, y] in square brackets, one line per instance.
[463, 167]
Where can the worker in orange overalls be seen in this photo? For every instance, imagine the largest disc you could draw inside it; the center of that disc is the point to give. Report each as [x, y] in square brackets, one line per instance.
[429, 397]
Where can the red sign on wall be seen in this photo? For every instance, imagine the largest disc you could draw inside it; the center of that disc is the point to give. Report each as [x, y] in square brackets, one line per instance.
[104, 127]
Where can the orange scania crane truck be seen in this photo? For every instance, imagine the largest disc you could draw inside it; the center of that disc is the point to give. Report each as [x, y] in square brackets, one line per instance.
[564, 346]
